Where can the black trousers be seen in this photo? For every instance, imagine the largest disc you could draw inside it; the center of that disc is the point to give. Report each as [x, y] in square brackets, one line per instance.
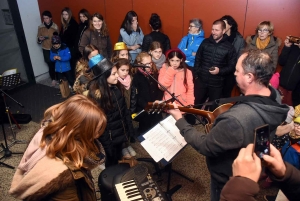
[67, 75]
[229, 83]
[202, 91]
[51, 65]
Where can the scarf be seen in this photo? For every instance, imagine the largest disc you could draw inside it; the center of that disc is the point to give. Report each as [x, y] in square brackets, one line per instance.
[125, 82]
[48, 26]
[143, 72]
[262, 44]
[159, 62]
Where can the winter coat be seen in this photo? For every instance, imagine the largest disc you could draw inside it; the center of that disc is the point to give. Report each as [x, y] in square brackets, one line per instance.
[233, 130]
[238, 44]
[81, 29]
[119, 125]
[60, 182]
[156, 36]
[103, 43]
[271, 49]
[147, 90]
[173, 81]
[290, 73]
[68, 36]
[190, 44]
[209, 54]
[135, 38]
[242, 188]
[131, 98]
[62, 65]
[43, 31]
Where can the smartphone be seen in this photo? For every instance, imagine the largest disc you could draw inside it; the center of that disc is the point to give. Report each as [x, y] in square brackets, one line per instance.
[262, 141]
[212, 68]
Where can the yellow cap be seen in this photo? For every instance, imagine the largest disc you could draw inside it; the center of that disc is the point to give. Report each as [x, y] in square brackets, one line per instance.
[297, 120]
[297, 110]
[120, 46]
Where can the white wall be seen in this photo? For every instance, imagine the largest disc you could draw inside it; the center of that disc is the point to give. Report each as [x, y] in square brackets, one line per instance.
[30, 15]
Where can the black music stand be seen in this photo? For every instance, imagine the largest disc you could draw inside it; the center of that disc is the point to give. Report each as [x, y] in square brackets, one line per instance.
[8, 82]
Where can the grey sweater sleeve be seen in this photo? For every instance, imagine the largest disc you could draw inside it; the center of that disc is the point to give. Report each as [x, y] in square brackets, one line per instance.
[226, 135]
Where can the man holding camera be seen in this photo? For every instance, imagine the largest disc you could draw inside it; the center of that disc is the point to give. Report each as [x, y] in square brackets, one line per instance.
[289, 81]
[234, 129]
[214, 60]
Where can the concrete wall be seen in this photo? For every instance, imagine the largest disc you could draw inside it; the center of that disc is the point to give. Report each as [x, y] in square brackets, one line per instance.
[31, 19]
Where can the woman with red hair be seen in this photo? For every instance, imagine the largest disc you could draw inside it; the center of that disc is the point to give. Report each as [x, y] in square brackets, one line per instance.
[57, 163]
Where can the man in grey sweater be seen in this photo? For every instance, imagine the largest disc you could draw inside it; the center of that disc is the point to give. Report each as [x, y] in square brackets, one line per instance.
[234, 129]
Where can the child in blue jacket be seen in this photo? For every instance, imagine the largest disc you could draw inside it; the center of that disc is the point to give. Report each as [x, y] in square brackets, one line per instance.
[60, 54]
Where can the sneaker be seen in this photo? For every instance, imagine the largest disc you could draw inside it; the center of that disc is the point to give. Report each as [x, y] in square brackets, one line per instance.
[269, 197]
[53, 83]
[131, 151]
[125, 153]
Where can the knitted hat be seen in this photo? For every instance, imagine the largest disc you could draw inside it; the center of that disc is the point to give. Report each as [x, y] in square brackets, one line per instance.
[56, 40]
[120, 46]
[101, 67]
[178, 51]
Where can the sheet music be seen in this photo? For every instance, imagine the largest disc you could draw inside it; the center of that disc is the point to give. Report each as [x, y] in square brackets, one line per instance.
[160, 143]
[169, 125]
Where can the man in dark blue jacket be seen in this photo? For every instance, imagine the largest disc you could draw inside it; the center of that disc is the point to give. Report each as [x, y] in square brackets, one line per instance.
[215, 59]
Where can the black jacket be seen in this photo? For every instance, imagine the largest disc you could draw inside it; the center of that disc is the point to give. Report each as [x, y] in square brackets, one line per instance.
[119, 124]
[69, 35]
[290, 73]
[209, 54]
[147, 90]
[156, 36]
[81, 28]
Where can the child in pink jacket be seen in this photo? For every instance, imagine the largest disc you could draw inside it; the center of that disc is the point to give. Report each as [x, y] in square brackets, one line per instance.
[177, 78]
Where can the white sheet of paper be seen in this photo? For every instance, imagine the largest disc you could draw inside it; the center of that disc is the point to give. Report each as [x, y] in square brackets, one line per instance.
[160, 144]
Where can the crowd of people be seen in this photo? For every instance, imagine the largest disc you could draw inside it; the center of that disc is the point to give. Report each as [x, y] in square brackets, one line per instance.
[116, 81]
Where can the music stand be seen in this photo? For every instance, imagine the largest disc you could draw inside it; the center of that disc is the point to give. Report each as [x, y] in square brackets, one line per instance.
[8, 82]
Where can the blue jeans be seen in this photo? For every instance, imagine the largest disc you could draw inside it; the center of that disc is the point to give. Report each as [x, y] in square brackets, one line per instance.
[215, 191]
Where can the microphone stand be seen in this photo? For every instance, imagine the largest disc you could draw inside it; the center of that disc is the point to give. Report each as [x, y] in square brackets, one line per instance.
[165, 89]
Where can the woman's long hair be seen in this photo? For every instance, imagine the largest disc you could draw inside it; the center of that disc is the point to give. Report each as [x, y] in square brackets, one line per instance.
[99, 90]
[182, 65]
[85, 13]
[104, 29]
[73, 127]
[87, 51]
[126, 24]
[64, 22]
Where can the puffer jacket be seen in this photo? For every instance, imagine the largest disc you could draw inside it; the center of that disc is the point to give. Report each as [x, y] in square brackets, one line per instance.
[131, 98]
[271, 49]
[190, 44]
[290, 73]
[119, 124]
[63, 52]
[156, 36]
[173, 81]
[209, 54]
[103, 43]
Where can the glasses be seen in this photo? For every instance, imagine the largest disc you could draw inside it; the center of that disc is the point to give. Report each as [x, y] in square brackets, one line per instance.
[191, 26]
[148, 64]
[263, 30]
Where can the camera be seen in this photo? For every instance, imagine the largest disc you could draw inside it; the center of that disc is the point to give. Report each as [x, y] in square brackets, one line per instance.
[294, 39]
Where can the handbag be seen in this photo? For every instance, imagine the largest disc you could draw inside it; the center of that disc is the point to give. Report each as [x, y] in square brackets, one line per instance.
[64, 88]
